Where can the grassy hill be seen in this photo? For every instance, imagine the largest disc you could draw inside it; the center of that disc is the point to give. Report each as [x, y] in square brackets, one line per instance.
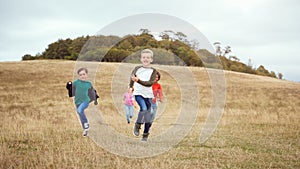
[259, 127]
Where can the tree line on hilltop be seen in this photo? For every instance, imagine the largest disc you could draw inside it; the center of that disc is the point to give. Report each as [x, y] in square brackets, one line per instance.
[173, 48]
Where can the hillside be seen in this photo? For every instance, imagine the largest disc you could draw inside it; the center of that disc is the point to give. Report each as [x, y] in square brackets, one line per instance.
[259, 127]
[170, 50]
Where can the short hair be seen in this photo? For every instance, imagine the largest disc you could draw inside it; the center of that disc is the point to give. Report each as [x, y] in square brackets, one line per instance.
[147, 51]
[82, 69]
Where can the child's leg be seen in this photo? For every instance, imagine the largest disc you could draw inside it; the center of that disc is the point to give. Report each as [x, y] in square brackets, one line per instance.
[82, 117]
[153, 111]
[127, 110]
[147, 115]
[131, 111]
[141, 115]
[143, 108]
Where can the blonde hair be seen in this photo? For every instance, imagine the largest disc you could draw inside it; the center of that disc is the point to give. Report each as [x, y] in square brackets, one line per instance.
[147, 51]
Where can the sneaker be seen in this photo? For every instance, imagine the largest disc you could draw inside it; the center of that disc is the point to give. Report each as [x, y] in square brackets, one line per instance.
[136, 129]
[145, 137]
[85, 132]
[86, 125]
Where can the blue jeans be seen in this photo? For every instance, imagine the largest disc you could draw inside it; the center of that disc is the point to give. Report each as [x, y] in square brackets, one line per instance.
[82, 117]
[129, 112]
[144, 115]
[153, 110]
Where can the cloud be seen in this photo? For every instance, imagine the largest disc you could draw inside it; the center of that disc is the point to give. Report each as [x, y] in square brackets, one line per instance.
[264, 31]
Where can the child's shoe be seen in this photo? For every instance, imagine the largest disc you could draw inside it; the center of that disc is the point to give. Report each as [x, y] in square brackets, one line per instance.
[85, 132]
[136, 129]
[145, 137]
[86, 125]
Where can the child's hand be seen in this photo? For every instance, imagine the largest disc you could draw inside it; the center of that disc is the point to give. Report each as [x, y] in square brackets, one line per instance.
[134, 78]
[135, 105]
[131, 89]
[153, 99]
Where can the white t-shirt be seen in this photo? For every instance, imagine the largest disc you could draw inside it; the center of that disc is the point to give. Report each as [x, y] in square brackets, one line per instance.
[143, 74]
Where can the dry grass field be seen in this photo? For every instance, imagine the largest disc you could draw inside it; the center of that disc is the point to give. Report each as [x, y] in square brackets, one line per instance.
[40, 129]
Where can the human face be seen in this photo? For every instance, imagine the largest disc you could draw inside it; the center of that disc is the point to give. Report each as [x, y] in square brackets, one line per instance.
[146, 59]
[156, 78]
[82, 75]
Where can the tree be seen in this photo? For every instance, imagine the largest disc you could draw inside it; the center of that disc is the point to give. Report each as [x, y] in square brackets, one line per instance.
[164, 36]
[170, 34]
[218, 48]
[280, 75]
[195, 44]
[262, 71]
[273, 74]
[234, 58]
[144, 31]
[125, 45]
[58, 50]
[28, 57]
[173, 49]
[227, 50]
[181, 36]
[221, 51]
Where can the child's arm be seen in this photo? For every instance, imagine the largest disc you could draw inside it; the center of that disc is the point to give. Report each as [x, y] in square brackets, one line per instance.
[133, 74]
[69, 87]
[93, 95]
[124, 97]
[149, 82]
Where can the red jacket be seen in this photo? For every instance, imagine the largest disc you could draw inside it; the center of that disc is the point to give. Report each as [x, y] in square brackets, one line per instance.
[157, 92]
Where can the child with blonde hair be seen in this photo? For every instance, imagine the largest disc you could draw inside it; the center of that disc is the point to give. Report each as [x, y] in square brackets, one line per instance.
[142, 78]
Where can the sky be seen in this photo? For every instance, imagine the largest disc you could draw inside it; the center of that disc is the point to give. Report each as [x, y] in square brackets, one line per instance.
[265, 31]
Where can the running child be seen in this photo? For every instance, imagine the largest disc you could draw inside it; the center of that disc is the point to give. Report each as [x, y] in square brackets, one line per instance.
[158, 96]
[142, 78]
[128, 101]
[84, 93]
